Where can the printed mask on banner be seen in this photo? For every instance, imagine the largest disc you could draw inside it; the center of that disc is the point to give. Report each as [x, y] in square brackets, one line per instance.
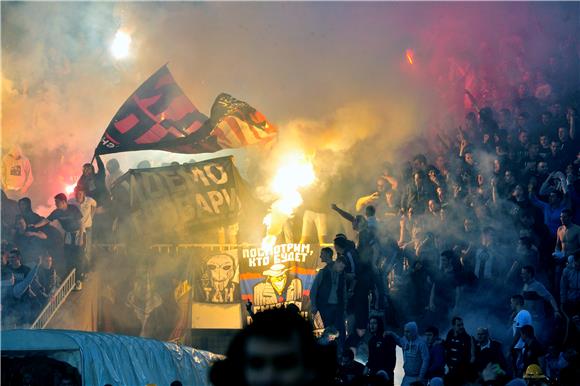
[220, 283]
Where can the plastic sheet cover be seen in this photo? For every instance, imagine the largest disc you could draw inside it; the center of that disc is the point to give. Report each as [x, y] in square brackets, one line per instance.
[131, 361]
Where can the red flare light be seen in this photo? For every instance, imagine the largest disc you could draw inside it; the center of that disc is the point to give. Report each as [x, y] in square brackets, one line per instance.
[410, 55]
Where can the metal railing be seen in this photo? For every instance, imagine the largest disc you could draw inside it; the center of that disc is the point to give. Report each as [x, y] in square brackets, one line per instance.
[177, 248]
[56, 301]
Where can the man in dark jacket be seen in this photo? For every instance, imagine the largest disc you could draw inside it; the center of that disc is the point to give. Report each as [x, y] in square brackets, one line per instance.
[382, 350]
[69, 217]
[436, 353]
[46, 281]
[487, 351]
[458, 353]
[533, 352]
[328, 293]
[349, 370]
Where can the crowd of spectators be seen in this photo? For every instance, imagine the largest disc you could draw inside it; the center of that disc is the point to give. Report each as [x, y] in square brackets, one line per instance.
[479, 230]
[38, 252]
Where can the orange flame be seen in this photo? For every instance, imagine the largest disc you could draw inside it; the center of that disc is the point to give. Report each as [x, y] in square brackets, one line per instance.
[410, 55]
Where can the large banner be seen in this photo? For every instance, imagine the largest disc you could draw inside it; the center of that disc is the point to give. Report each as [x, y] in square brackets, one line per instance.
[170, 202]
[281, 276]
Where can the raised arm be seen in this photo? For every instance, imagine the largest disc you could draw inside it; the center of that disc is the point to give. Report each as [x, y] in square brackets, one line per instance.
[396, 337]
[343, 213]
[545, 185]
[366, 200]
[100, 165]
[20, 288]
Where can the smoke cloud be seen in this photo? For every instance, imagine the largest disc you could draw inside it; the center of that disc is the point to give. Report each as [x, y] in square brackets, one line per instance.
[330, 75]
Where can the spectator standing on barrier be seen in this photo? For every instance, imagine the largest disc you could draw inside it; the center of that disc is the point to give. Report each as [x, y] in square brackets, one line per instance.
[87, 206]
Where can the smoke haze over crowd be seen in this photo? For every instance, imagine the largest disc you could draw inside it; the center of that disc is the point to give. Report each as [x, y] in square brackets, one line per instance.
[329, 74]
[369, 97]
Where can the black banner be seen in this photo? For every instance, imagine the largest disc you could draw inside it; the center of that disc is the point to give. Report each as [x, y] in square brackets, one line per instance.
[175, 200]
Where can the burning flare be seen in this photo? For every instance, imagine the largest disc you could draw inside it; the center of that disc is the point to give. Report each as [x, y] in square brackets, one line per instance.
[295, 173]
[410, 55]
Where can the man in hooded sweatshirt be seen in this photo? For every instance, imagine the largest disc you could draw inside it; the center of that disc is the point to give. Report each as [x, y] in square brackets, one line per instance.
[415, 354]
[16, 173]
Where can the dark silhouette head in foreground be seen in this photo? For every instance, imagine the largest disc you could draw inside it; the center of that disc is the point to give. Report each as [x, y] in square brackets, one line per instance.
[278, 348]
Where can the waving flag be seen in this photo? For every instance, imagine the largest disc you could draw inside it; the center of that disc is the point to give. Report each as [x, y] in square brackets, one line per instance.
[159, 116]
[237, 124]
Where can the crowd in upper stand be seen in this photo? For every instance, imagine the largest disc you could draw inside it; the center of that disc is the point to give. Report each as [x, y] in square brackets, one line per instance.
[479, 230]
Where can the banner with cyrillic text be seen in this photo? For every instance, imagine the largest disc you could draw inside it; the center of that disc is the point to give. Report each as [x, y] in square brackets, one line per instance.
[178, 202]
[282, 275]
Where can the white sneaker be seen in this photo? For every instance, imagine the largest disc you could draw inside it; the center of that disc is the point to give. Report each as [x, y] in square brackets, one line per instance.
[78, 286]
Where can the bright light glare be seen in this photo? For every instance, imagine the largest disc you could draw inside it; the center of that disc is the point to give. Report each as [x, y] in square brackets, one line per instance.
[120, 45]
[295, 173]
[69, 189]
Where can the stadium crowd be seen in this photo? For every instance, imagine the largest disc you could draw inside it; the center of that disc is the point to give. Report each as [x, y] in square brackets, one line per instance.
[479, 230]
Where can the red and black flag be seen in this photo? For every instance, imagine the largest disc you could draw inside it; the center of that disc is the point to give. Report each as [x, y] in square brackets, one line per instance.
[159, 116]
[156, 114]
[236, 124]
